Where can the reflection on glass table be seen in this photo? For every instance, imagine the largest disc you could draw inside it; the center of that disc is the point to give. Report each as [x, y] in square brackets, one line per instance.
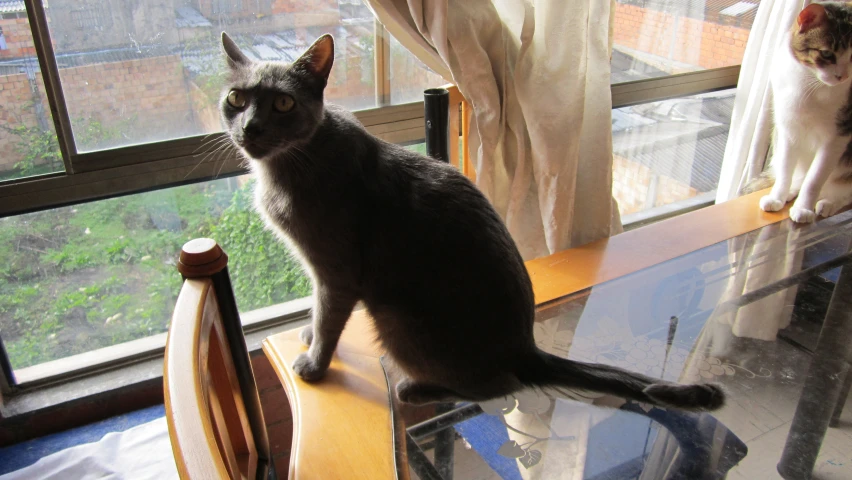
[766, 314]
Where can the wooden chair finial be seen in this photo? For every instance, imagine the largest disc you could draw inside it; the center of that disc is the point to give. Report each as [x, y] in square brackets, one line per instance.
[201, 257]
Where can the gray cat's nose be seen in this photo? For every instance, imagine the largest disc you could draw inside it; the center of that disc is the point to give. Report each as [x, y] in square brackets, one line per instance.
[252, 129]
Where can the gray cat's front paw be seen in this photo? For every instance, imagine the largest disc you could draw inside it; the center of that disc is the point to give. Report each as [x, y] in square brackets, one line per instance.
[306, 368]
[802, 215]
[307, 335]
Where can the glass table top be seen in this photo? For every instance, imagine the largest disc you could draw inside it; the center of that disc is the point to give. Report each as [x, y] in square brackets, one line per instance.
[767, 314]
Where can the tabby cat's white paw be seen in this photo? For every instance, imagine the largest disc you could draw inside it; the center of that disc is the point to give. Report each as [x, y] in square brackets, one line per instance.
[825, 208]
[770, 204]
[802, 215]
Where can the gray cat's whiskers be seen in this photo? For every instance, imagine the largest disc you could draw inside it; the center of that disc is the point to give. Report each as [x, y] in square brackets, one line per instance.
[219, 144]
[225, 151]
[205, 141]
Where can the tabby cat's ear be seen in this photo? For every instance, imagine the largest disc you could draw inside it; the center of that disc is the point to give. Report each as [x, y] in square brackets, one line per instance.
[236, 58]
[811, 17]
[318, 58]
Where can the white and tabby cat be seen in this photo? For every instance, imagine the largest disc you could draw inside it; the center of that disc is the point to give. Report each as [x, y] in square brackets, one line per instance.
[812, 159]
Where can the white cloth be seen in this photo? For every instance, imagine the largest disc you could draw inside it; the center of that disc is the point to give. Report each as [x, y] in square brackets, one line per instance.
[751, 121]
[139, 453]
[537, 75]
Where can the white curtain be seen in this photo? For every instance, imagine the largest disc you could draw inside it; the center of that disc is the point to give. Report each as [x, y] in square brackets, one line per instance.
[751, 122]
[537, 75]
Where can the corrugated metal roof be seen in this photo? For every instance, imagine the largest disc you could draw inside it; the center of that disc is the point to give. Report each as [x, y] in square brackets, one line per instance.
[681, 138]
[12, 6]
[709, 10]
[285, 46]
[739, 8]
[625, 68]
[188, 17]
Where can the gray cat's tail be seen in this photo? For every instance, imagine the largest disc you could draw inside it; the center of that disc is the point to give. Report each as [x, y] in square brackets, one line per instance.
[548, 370]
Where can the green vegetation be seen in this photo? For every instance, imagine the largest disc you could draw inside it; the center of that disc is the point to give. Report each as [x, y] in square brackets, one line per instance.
[78, 278]
[74, 279]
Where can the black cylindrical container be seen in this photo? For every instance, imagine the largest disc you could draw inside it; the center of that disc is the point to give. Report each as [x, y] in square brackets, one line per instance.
[437, 105]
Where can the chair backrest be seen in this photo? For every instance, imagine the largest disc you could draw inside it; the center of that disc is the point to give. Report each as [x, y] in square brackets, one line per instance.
[213, 411]
[460, 111]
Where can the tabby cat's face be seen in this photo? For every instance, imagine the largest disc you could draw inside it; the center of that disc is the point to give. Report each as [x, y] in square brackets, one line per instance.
[270, 107]
[822, 41]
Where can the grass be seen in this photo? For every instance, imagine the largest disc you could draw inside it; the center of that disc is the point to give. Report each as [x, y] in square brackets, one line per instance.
[78, 278]
[74, 279]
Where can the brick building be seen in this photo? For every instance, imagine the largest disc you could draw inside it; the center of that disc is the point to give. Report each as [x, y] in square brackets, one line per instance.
[144, 71]
[136, 72]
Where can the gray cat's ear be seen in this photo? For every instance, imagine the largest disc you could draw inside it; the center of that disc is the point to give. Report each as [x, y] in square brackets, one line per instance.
[318, 58]
[236, 58]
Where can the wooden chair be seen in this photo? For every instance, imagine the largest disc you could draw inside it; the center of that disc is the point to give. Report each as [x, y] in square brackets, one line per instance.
[460, 112]
[213, 410]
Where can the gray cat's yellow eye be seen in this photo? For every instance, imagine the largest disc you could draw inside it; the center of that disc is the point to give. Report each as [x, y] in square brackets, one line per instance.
[284, 103]
[826, 54]
[236, 99]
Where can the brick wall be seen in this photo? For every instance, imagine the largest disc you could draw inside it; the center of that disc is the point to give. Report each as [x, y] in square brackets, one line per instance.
[151, 92]
[19, 40]
[696, 42]
[289, 6]
[149, 95]
[16, 108]
[346, 80]
[632, 180]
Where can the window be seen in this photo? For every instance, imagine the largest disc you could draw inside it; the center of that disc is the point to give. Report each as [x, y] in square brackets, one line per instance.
[96, 200]
[668, 136]
[28, 143]
[98, 274]
[656, 38]
[91, 219]
[669, 151]
[407, 75]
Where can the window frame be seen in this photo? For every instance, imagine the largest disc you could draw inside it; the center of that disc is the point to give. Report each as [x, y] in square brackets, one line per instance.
[138, 168]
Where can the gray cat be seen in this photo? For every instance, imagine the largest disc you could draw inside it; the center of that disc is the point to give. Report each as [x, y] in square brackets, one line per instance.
[409, 236]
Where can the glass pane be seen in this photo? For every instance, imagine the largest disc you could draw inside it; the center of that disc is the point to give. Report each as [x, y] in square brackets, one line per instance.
[78, 278]
[668, 151]
[409, 76]
[28, 144]
[153, 71]
[655, 38]
[764, 314]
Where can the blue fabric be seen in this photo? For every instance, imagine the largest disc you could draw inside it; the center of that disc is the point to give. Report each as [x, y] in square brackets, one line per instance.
[617, 440]
[485, 434]
[24, 454]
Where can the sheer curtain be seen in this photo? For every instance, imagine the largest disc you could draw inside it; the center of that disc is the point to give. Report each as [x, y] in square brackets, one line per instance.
[746, 153]
[537, 75]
